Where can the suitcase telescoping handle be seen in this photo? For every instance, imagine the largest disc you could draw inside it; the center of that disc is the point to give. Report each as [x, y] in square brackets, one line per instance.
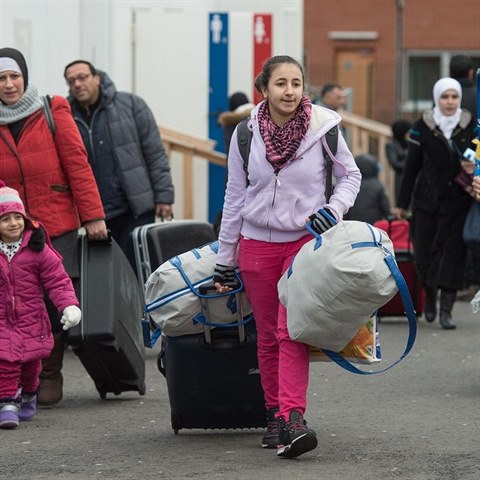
[177, 263]
[204, 290]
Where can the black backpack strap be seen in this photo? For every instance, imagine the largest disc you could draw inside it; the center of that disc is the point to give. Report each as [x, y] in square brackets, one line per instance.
[47, 111]
[244, 139]
[331, 138]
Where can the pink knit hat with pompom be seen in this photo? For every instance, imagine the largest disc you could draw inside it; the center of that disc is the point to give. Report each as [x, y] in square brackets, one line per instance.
[10, 201]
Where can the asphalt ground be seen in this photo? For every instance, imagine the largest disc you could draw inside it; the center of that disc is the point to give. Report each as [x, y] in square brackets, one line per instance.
[418, 421]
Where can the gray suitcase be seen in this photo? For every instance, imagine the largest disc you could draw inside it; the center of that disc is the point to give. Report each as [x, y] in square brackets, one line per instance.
[156, 243]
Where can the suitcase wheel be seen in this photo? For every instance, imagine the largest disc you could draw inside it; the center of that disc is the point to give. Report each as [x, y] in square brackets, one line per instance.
[177, 422]
[142, 390]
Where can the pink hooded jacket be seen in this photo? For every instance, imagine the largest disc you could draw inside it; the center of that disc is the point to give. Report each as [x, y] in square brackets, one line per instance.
[25, 330]
[272, 207]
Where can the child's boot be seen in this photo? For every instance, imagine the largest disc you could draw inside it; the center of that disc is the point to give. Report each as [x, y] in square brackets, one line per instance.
[8, 415]
[28, 407]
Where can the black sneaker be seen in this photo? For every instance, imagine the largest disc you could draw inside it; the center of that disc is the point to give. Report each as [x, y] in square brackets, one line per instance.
[294, 436]
[270, 440]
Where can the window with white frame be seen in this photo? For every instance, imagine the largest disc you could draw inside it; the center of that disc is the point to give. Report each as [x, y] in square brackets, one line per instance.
[421, 70]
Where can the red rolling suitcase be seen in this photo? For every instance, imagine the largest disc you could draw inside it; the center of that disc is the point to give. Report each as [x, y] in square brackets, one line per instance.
[398, 231]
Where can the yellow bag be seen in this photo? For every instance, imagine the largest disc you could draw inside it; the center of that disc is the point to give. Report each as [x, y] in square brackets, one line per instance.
[364, 348]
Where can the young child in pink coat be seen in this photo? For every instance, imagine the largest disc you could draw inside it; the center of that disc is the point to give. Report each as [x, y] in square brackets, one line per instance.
[29, 268]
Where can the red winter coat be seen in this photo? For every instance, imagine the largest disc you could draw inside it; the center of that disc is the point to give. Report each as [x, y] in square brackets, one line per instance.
[53, 176]
[25, 329]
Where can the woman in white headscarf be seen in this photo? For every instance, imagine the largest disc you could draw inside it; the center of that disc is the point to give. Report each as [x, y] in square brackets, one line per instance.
[438, 184]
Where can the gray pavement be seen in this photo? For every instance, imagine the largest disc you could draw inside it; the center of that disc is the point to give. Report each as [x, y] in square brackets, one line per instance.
[419, 421]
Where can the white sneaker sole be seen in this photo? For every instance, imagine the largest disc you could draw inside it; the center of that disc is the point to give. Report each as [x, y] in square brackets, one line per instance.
[303, 444]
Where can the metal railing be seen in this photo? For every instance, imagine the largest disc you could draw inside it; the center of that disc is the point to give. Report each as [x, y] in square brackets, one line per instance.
[363, 136]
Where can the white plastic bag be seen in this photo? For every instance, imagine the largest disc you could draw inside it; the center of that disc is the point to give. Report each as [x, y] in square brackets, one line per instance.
[475, 303]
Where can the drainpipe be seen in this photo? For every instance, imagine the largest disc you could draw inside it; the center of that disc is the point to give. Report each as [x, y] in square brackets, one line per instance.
[399, 59]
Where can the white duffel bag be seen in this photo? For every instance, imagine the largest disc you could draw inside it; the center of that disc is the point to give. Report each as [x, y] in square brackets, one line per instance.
[174, 300]
[336, 282]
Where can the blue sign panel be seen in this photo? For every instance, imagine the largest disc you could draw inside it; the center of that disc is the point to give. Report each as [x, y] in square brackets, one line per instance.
[217, 102]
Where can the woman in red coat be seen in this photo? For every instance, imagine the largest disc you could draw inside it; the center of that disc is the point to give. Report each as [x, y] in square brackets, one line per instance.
[54, 179]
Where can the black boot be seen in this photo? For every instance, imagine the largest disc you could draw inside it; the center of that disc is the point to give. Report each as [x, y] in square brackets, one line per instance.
[430, 304]
[447, 299]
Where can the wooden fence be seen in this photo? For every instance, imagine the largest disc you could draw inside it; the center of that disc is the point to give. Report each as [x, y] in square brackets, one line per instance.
[369, 136]
[363, 136]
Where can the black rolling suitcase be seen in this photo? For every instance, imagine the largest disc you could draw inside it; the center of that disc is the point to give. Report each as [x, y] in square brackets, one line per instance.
[109, 339]
[155, 243]
[213, 378]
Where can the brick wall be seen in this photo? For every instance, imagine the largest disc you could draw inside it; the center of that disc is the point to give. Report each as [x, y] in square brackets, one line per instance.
[428, 24]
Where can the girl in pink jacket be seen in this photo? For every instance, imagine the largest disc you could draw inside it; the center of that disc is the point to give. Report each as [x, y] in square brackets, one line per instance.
[29, 267]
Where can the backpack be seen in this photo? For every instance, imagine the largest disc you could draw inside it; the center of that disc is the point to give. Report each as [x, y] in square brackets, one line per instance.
[244, 139]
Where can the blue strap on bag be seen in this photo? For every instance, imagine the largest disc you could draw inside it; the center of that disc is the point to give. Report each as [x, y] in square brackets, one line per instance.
[412, 324]
[151, 332]
[407, 303]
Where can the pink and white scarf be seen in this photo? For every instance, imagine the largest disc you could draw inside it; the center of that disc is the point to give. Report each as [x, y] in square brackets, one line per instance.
[282, 142]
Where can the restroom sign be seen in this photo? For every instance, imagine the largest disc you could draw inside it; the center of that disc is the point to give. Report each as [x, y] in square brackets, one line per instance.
[262, 45]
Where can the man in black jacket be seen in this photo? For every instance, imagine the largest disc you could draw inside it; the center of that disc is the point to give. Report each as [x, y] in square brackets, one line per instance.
[124, 149]
[461, 69]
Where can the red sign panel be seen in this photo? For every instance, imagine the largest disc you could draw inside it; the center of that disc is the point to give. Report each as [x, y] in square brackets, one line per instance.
[262, 45]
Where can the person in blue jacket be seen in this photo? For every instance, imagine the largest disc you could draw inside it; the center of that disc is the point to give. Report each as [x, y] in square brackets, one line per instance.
[264, 226]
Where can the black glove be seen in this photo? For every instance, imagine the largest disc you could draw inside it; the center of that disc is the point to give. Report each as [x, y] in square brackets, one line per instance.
[322, 220]
[224, 275]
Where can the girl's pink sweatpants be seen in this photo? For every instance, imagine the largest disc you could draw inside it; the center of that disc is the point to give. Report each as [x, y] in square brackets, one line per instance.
[283, 363]
[16, 375]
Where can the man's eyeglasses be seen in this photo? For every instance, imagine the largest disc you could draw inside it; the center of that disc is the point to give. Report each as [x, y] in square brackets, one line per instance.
[81, 78]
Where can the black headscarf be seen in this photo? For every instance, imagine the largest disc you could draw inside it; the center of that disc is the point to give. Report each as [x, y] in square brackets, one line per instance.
[19, 58]
[236, 100]
[399, 129]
